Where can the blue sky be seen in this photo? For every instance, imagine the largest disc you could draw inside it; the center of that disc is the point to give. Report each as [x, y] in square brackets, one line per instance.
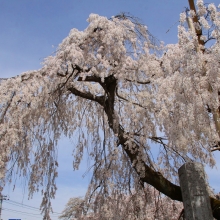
[31, 31]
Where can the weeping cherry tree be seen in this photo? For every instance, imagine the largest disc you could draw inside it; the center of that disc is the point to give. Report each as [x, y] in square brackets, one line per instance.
[139, 110]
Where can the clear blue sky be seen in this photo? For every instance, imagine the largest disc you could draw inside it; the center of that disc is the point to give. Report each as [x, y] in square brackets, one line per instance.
[28, 31]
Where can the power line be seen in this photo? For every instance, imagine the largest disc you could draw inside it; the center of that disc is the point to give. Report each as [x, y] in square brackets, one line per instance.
[11, 202]
[21, 205]
[29, 206]
[24, 213]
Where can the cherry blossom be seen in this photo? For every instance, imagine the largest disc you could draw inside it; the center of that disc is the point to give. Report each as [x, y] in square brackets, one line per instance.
[121, 97]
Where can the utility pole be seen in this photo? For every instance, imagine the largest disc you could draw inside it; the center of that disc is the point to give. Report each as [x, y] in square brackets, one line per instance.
[195, 20]
[1, 200]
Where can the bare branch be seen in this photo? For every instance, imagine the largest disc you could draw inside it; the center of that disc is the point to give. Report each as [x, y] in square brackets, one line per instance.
[216, 148]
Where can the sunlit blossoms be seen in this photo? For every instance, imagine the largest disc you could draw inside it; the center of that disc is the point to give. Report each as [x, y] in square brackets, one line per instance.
[137, 108]
[144, 205]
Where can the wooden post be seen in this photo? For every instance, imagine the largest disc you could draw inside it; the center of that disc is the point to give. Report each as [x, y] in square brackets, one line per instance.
[196, 20]
[195, 192]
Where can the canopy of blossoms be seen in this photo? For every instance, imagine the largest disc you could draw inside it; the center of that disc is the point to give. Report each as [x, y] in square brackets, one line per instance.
[139, 110]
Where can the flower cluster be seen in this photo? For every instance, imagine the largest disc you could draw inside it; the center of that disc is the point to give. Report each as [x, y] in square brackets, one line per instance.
[131, 104]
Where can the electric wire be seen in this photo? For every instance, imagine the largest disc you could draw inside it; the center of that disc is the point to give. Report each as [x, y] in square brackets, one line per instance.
[27, 206]
[21, 205]
[23, 213]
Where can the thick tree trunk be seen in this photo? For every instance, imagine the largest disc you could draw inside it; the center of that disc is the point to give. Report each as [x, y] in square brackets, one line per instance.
[150, 176]
[147, 175]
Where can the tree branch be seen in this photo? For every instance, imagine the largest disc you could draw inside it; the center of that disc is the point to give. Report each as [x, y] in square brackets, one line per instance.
[88, 95]
[90, 79]
[151, 177]
[134, 103]
[139, 82]
[216, 148]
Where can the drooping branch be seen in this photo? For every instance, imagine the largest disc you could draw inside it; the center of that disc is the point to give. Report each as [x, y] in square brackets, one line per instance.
[7, 107]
